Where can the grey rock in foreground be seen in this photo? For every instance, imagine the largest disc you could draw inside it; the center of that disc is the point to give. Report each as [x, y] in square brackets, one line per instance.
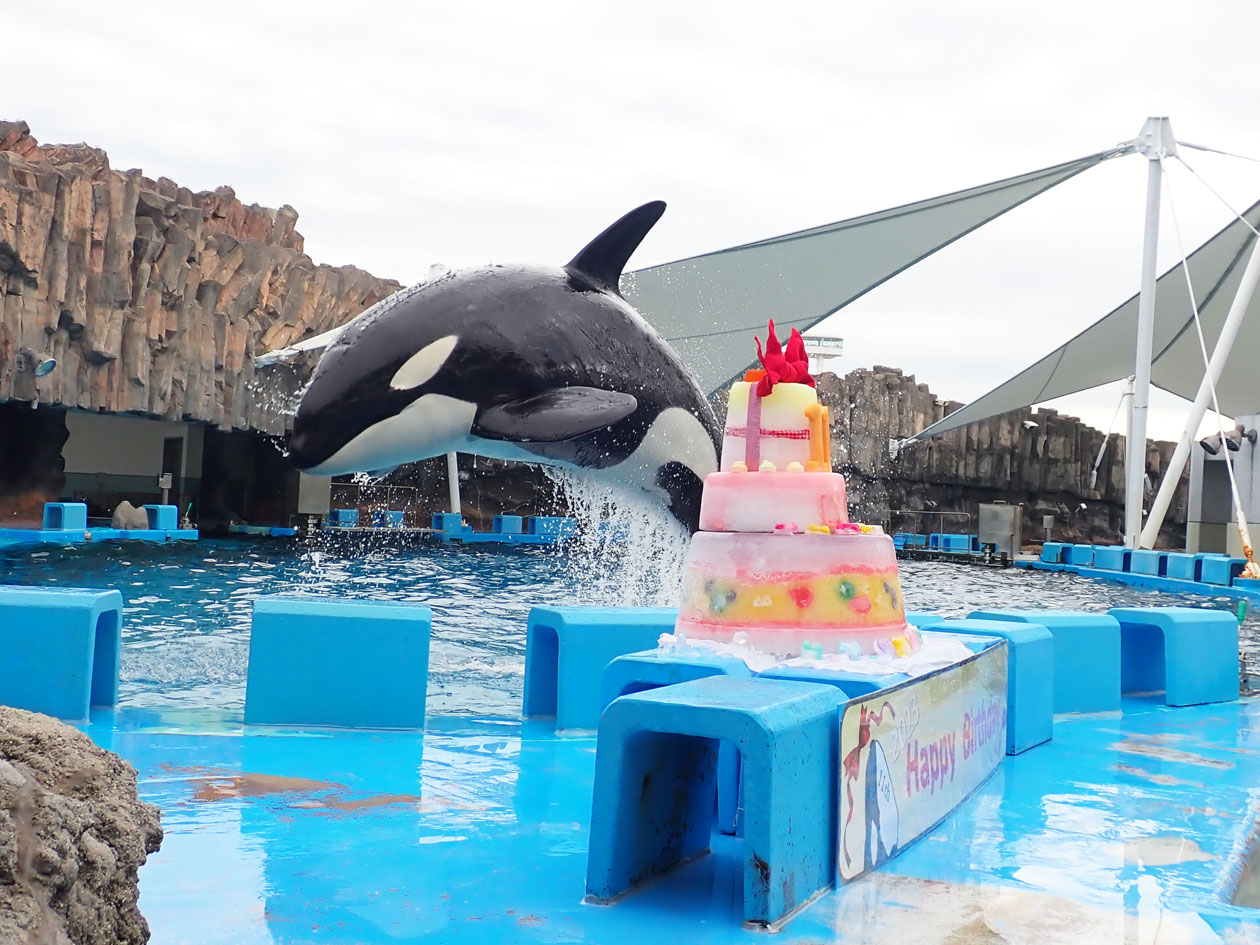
[73, 834]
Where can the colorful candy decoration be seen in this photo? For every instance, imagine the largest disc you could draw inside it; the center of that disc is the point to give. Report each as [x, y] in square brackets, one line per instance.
[802, 596]
[812, 650]
[847, 590]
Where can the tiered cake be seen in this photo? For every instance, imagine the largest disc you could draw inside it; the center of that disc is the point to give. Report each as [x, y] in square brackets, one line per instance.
[777, 564]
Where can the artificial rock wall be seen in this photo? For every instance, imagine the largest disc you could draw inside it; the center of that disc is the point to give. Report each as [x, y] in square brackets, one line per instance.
[1041, 459]
[153, 299]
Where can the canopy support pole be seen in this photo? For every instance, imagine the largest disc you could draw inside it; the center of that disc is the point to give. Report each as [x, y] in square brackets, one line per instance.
[452, 480]
[1155, 141]
[1216, 365]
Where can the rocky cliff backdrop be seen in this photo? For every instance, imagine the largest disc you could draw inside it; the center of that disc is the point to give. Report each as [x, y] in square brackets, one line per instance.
[155, 301]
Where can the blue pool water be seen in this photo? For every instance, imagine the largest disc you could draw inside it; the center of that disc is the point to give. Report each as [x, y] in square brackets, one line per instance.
[187, 606]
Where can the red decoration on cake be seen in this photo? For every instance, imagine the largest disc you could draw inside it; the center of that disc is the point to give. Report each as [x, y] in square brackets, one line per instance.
[787, 367]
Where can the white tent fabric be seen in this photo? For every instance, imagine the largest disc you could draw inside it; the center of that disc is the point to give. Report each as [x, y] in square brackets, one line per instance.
[1104, 352]
[708, 306]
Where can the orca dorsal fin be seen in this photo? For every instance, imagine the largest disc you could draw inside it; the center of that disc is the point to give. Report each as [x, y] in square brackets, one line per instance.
[603, 258]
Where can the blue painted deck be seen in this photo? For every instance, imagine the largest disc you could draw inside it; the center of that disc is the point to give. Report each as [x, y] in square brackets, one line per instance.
[477, 831]
[1249, 592]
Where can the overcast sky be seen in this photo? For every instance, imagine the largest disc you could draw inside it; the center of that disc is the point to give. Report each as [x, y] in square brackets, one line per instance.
[407, 134]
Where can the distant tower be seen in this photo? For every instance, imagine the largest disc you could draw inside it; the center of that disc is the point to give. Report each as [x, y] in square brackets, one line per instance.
[822, 350]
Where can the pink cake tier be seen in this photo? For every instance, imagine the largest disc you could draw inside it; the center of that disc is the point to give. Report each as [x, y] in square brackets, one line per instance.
[782, 592]
[761, 501]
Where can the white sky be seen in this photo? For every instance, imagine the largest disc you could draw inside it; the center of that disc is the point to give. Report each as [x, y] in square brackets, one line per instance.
[407, 134]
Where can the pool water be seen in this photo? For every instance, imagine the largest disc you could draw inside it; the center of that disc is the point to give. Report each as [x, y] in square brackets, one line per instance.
[187, 606]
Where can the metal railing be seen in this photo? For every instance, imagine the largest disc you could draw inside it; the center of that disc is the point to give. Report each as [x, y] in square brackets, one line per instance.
[916, 513]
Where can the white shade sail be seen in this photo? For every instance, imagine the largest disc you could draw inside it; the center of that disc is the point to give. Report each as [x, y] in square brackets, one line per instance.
[1104, 352]
[708, 306]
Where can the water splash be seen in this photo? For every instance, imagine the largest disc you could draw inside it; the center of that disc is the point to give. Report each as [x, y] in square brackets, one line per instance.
[629, 551]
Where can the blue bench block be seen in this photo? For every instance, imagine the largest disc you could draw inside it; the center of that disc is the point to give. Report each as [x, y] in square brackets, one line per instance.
[851, 685]
[450, 522]
[650, 669]
[59, 649]
[162, 517]
[1052, 552]
[1086, 656]
[956, 543]
[344, 518]
[388, 518]
[1191, 653]
[934, 540]
[1148, 561]
[1220, 569]
[327, 662]
[1181, 565]
[1112, 558]
[656, 778]
[567, 649]
[507, 525]
[1029, 676]
[71, 516]
[554, 526]
[1079, 554]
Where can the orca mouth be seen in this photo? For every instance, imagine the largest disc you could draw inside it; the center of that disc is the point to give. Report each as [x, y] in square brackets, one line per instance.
[307, 449]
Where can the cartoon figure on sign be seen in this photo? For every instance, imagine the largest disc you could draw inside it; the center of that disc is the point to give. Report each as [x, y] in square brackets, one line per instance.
[880, 799]
[881, 808]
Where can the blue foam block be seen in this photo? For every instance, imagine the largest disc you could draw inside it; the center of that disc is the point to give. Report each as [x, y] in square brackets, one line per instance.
[650, 669]
[1052, 552]
[1111, 558]
[567, 648]
[356, 663]
[1189, 652]
[59, 649]
[1148, 561]
[656, 778]
[1029, 676]
[65, 515]
[1181, 566]
[1220, 569]
[1086, 656]
[1079, 554]
[162, 517]
[507, 525]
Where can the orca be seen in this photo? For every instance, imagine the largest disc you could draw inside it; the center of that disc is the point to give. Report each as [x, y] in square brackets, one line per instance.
[529, 363]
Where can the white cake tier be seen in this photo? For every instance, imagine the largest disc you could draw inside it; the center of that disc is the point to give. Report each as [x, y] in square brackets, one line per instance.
[838, 592]
[760, 501]
[782, 436]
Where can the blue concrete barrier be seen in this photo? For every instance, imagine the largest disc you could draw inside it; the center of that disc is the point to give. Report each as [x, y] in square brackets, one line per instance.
[1029, 676]
[353, 663]
[1086, 656]
[567, 649]
[59, 649]
[1148, 561]
[1112, 558]
[65, 516]
[656, 779]
[1190, 653]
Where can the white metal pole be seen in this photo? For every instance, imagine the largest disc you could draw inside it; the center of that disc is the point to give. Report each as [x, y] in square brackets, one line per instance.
[1153, 146]
[1216, 364]
[452, 481]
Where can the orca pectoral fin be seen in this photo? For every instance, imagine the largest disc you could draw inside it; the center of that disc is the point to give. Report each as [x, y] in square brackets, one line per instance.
[559, 414]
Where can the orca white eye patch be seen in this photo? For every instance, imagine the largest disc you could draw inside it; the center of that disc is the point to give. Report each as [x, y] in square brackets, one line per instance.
[424, 364]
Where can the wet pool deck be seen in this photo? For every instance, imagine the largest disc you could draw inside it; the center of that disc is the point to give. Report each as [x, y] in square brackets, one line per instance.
[1128, 827]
